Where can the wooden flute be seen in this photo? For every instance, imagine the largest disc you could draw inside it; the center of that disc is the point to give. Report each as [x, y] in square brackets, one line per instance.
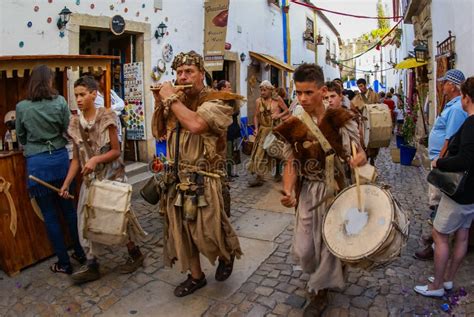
[175, 86]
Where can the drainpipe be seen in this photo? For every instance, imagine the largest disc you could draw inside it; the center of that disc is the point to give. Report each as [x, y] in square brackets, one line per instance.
[286, 37]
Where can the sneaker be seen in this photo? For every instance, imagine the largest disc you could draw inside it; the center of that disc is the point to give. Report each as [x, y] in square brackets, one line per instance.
[447, 285]
[132, 264]
[423, 290]
[87, 273]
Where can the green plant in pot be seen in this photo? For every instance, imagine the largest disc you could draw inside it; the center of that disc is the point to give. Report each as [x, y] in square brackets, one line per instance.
[408, 150]
[408, 130]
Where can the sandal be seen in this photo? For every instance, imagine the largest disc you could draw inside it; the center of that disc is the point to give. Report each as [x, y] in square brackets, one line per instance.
[190, 286]
[80, 259]
[56, 268]
[224, 270]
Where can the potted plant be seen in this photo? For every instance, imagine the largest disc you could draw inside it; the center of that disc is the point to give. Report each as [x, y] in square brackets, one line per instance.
[408, 149]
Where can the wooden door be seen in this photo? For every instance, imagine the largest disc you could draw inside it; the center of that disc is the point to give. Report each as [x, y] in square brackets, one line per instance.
[254, 78]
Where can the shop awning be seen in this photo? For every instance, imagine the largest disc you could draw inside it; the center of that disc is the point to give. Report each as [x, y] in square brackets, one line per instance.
[272, 61]
[409, 63]
[20, 63]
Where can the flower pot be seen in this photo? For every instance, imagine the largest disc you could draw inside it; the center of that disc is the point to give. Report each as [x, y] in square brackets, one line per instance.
[400, 140]
[407, 153]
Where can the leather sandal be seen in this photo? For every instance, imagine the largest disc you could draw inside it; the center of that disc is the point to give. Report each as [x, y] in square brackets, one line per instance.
[224, 270]
[190, 286]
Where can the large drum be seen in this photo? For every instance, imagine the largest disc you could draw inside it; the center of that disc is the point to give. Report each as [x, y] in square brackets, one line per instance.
[377, 125]
[377, 240]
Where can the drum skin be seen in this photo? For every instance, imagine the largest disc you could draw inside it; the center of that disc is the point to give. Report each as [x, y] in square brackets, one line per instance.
[377, 125]
[382, 238]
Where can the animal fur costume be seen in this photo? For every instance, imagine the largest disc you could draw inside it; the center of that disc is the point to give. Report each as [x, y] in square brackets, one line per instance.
[305, 145]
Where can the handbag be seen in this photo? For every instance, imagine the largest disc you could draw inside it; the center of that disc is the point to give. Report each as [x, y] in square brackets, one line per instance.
[449, 183]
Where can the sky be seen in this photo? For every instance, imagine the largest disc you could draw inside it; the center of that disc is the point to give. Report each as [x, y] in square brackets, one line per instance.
[350, 27]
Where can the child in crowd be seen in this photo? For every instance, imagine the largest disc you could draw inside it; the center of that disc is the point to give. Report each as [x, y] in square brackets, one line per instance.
[98, 154]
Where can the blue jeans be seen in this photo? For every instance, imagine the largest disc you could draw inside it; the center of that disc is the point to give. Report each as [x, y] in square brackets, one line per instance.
[48, 205]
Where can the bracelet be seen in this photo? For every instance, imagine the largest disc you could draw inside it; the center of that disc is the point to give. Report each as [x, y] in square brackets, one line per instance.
[170, 100]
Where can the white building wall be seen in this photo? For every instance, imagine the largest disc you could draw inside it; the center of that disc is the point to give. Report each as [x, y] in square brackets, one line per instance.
[253, 25]
[331, 70]
[408, 35]
[457, 17]
[185, 31]
[299, 52]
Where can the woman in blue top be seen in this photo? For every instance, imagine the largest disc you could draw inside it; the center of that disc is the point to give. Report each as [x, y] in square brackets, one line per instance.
[41, 121]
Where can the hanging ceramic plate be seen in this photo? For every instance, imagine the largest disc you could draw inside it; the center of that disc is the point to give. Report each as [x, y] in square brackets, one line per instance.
[167, 53]
[161, 66]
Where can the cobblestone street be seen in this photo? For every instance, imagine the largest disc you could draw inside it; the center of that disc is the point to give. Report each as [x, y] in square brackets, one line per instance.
[265, 282]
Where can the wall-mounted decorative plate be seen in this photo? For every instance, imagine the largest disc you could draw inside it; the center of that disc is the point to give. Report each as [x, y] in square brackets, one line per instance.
[161, 66]
[167, 52]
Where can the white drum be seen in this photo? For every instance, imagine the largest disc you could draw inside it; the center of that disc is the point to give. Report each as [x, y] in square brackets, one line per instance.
[376, 240]
[377, 125]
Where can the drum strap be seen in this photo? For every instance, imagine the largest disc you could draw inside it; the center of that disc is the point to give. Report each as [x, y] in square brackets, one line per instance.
[328, 150]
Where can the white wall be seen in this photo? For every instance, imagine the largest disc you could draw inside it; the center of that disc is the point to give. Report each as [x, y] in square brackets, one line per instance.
[185, 30]
[331, 70]
[261, 31]
[457, 17]
[299, 53]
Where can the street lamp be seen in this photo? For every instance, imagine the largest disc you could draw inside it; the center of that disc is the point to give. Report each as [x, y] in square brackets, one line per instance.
[64, 16]
[161, 30]
[421, 52]
[242, 57]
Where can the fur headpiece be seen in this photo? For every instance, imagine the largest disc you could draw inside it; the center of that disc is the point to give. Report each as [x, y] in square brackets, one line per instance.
[189, 58]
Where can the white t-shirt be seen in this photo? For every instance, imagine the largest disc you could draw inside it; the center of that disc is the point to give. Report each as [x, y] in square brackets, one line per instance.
[117, 105]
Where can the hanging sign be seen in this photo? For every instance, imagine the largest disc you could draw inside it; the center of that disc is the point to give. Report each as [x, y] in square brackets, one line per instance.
[215, 30]
[134, 101]
[117, 25]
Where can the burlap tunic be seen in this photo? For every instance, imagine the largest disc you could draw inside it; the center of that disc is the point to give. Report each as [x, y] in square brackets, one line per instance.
[99, 141]
[260, 163]
[211, 234]
[308, 248]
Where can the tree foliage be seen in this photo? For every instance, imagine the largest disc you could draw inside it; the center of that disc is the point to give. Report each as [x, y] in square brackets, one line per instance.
[383, 26]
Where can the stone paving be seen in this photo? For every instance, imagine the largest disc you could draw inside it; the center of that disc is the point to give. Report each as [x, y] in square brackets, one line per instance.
[273, 287]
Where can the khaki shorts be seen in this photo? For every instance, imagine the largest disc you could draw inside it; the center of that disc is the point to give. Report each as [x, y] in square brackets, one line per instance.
[452, 216]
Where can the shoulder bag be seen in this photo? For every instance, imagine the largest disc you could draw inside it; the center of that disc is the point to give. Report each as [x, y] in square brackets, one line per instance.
[450, 183]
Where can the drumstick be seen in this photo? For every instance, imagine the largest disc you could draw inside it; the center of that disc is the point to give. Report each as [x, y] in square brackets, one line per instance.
[41, 182]
[175, 86]
[356, 172]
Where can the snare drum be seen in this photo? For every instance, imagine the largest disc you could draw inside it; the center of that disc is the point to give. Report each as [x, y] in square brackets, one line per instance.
[377, 125]
[379, 241]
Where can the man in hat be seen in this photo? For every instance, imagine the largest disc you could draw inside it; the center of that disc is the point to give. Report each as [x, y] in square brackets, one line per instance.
[446, 125]
[195, 122]
[268, 112]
